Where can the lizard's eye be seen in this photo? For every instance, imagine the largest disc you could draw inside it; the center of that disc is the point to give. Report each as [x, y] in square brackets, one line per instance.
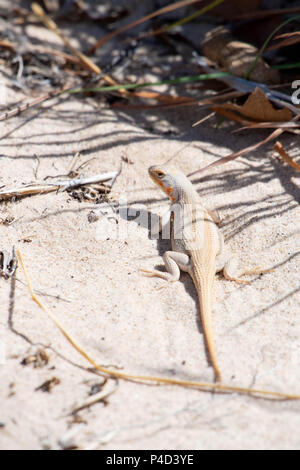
[160, 174]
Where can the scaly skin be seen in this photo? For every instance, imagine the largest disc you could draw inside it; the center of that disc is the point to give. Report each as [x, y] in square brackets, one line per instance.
[197, 247]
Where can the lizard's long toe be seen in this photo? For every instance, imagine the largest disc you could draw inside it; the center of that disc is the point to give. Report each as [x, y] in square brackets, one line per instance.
[147, 273]
[258, 270]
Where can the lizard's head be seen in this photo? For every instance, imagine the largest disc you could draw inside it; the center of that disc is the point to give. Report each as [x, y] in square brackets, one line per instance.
[166, 179]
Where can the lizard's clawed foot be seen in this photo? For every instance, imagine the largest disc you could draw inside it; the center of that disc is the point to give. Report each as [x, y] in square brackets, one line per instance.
[239, 281]
[235, 279]
[257, 270]
[161, 275]
[147, 273]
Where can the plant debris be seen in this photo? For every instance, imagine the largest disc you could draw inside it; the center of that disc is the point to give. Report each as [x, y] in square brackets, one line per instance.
[256, 108]
[215, 387]
[8, 220]
[48, 385]
[62, 185]
[97, 397]
[37, 360]
[8, 263]
[236, 57]
[278, 147]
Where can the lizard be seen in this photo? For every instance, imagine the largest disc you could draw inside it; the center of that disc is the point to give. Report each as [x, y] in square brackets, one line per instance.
[197, 247]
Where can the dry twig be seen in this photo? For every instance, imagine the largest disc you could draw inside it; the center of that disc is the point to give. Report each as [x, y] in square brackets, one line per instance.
[49, 23]
[96, 398]
[278, 147]
[61, 185]
[147, 380]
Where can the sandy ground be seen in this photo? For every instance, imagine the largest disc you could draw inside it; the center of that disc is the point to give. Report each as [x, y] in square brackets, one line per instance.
[144, 326]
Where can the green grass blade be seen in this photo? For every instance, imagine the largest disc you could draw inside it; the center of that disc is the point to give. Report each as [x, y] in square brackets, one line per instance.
[133, 86]
[189, 18]
[261, 51]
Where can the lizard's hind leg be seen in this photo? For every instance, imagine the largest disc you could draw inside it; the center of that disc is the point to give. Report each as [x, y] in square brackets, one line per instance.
[230, 271]
[229, 266]
[174, 261]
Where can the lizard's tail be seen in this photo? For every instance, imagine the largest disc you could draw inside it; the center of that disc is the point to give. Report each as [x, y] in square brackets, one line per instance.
[204, 288]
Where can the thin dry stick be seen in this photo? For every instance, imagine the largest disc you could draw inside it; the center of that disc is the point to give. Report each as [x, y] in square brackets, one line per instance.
[161, 11]
[40, 99]
[276, 133]
[288, 126]
[60, 185]
[95, 399]
[203, 119]
[63, 55]
[204, 386]
[88, 63]
[284, 155]
[244, 151]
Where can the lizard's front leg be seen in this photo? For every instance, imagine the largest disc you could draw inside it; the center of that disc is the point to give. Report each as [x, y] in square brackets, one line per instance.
[174, 261]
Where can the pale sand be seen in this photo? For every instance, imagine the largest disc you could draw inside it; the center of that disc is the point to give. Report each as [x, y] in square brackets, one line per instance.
[144, 325]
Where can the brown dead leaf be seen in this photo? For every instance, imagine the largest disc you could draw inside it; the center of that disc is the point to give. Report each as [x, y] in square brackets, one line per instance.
[220, 109]
[257, 108]
[236, 57]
